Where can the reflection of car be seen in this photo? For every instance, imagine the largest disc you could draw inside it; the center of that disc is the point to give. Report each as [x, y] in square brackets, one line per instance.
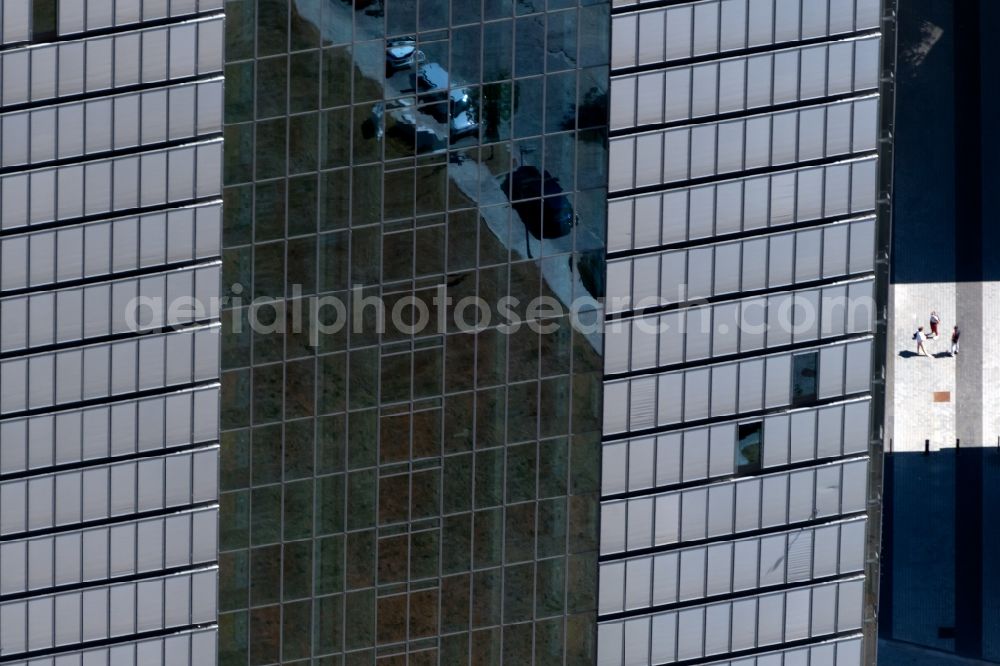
[456, 107]
[554, 218]
[462, 119]
[403, 123]
[406, 128]
[430, 78]
[400, 54]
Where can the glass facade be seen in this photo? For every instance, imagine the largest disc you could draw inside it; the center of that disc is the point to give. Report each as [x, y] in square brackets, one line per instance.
[110, 216]
[396, 493]
[745, 323]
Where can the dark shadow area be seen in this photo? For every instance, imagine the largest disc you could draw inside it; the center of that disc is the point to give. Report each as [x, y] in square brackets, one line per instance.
[944, 143]
[923, 239]
[908, 354]
[939, 589]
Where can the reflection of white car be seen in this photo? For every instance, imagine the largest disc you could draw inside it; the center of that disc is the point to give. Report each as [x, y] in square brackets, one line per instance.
[455, 107]
[400, 54]
[463, 119]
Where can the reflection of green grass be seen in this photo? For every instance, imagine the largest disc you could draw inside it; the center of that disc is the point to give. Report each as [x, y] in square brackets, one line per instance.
[431, 189]
[341, 60]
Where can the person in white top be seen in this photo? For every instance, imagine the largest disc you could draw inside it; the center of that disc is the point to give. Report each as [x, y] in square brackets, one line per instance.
[920, 337]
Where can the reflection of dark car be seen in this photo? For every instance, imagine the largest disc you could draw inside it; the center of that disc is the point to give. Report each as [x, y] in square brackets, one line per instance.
[423, 138]
[554, 218]
[403, 123]
[456, 107]
[400, 54]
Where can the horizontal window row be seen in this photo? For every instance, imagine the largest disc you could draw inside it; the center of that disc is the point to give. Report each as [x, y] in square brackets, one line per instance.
[107, 370]
[82, 495]
[800, 195]
[734, 448]
[195, 647]
[731, 146]
[151, 55]
[738, 84]
[110, 551]
[749, 385]
[842, 652]
[753, 324]
[733, 507]
[718, 26]
[113, 612]
[733, 626]
[80, 15]
[760, 262]
[111, 185]
[731, 567]
[109, 431]
[111, 123]
[108, 247]
[119, 307]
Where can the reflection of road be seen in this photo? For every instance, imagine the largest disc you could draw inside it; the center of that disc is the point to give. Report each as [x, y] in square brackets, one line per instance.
[474, 179]
[477, 183]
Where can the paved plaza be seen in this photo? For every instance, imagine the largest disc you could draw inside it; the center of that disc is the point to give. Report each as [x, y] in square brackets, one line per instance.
[939, 397]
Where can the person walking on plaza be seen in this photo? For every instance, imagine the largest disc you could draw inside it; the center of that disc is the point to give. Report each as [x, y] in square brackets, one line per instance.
[920, 336]
[954, 341]
[935, 320]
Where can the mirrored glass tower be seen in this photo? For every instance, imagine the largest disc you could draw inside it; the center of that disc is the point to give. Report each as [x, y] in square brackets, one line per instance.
[400, 489]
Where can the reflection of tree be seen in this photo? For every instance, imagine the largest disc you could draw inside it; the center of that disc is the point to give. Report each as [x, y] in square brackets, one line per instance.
[590, 264]
[496, 109]
[593, 111]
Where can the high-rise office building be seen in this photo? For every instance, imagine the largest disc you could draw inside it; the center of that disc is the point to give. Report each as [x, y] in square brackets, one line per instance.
[444, 441]
[110, 184]
[741, 422]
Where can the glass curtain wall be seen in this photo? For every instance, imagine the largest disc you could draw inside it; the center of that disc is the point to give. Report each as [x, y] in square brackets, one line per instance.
[399, 491]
